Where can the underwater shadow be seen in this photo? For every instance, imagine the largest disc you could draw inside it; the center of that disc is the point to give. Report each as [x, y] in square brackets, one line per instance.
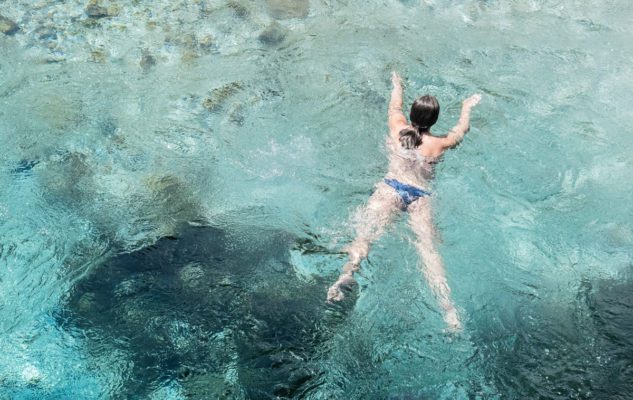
[215, 314]
[554, 351]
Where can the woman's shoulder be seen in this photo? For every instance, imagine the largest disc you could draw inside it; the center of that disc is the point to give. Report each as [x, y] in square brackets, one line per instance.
[394, 130]
[431, 146]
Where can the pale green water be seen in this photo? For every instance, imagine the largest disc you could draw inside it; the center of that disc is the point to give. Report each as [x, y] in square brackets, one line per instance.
[276, 145]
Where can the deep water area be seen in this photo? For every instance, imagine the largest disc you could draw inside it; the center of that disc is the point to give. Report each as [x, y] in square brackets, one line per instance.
[197, 310]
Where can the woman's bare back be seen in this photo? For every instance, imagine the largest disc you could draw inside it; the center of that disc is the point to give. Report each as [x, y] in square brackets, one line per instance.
[410, 166]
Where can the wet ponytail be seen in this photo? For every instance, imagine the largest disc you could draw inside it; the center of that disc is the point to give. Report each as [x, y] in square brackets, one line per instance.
[410, 138]
[424, 113]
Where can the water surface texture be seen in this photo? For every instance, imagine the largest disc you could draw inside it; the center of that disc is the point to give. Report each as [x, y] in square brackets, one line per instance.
[179, 178]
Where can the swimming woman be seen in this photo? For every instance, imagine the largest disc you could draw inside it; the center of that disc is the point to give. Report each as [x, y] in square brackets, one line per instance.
[413, 151]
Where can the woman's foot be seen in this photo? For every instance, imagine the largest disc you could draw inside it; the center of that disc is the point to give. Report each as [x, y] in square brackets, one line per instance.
[452, 320]
[343, 285]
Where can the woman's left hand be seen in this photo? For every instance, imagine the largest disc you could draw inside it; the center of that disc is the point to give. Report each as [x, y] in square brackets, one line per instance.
[472, 100]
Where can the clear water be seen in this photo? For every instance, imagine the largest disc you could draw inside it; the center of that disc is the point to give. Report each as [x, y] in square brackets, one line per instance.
[177, 188]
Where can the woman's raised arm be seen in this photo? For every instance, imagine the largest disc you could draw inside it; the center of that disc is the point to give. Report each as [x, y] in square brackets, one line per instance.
[463, 125]
[394, 112]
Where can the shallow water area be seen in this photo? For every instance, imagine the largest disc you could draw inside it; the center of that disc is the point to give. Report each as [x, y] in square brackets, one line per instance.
[180, 180]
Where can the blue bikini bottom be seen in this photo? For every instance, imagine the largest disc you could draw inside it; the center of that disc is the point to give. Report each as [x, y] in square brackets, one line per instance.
[408, 193]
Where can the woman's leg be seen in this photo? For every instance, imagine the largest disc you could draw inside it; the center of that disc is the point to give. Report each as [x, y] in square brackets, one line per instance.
[422, 225]
[372, 220]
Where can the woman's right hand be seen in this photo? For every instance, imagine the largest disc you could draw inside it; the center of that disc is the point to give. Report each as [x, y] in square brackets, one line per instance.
[472, 100]
[395, 79]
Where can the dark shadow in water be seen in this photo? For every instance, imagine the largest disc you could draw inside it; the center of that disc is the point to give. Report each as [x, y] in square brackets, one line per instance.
[546, 352]
[222, 317]
[24, 167]
[611, 307]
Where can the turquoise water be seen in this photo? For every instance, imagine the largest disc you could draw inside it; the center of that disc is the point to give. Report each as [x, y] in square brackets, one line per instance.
[179, 178]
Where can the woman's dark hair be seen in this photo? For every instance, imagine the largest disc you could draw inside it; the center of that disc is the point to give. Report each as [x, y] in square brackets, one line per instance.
[424, 113]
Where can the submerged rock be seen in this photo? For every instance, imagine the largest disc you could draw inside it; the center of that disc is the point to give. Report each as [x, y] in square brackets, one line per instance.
[94, 9]
[189, 55]
[7, 26]
[147, 61]
[272, 34]
[205, 42]
[173, 201]
[98, 55]
[219, 95]
[236, 115]
[86, 302]
[191, 275]
[66, 175]
[24, 167]
[286, 9]
[46, 33]
[238, 8]
[131, 286]
[31, 374]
